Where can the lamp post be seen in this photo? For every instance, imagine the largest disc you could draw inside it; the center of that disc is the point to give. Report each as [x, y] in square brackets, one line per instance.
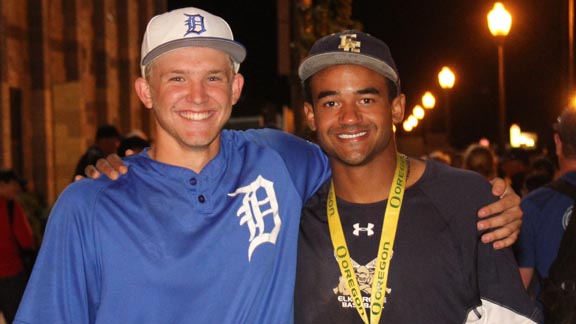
[499, 22]
[428, 102]
[570, 45]
[446, 79]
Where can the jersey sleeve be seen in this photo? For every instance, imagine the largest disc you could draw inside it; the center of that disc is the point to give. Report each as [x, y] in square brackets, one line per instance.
[306, 162]
[62, 287]
[503, 296]
[504, 299]
[494, 273]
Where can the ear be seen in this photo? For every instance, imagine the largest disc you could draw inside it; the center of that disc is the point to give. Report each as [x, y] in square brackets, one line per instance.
[143, 91]
[397, 108]
[237, 85]
[309, 115]
[558, 144]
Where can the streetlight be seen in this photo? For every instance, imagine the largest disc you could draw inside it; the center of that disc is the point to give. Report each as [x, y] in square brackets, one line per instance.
[408, 127]
[412, 120]
[447, 78]
[499, 22]
[418, 112]
[428, 100]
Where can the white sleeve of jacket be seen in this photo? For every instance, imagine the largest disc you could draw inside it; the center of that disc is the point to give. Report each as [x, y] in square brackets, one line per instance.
[492, 313]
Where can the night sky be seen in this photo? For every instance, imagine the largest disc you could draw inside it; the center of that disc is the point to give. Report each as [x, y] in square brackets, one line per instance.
[423, 36]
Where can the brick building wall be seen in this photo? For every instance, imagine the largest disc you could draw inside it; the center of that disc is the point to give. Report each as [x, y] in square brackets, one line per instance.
[66, 67]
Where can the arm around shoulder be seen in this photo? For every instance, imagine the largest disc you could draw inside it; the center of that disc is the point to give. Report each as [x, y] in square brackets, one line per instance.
[306, 162]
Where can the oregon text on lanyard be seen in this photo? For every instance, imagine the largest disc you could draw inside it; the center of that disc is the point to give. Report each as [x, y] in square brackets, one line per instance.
[385, 247]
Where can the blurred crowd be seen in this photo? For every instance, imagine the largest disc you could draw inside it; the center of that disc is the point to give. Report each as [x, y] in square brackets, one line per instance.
[525, 170]
[23, 214]
[546, 246]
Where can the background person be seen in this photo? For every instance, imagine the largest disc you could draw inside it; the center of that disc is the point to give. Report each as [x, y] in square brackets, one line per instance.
[16, 241]
[542, 171]
[547, 211]
[514, 166]
[107, 140]
[132, 145]
[481, 159]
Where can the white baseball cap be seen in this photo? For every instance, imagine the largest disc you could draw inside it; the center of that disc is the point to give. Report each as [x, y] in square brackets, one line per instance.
[188, 27]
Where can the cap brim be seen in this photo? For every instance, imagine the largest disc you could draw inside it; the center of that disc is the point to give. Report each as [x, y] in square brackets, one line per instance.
[319, 62]
[236, 50]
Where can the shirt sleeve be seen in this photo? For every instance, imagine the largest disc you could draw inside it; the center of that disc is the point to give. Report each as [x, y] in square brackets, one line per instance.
[63, 285]
[494, 273]
[503, 296]
[306, 162]
[525, 248]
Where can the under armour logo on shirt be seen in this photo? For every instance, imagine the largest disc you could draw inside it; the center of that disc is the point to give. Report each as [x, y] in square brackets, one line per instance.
[368, 229]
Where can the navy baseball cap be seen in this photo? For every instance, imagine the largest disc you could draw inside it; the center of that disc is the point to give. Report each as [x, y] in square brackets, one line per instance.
[350, 47]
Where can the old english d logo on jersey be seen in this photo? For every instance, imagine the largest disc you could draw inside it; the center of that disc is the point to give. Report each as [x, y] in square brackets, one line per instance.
[258, 204]
[195, 24]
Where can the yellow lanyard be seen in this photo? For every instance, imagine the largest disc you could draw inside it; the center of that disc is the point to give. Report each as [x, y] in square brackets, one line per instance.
[384, 250]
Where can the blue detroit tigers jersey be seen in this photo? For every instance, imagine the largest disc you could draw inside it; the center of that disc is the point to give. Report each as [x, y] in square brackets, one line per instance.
[164, 244]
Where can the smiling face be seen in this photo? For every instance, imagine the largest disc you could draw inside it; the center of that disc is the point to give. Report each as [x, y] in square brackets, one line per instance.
[191, 91]
[352, 114]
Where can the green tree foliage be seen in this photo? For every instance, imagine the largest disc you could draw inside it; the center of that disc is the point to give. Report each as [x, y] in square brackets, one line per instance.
[318, 18]
[313, 19]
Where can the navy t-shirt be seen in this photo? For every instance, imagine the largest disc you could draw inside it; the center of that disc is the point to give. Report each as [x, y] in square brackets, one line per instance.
[439, 270]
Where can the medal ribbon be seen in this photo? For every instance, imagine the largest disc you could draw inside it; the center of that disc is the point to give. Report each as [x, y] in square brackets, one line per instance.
[385, 247]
